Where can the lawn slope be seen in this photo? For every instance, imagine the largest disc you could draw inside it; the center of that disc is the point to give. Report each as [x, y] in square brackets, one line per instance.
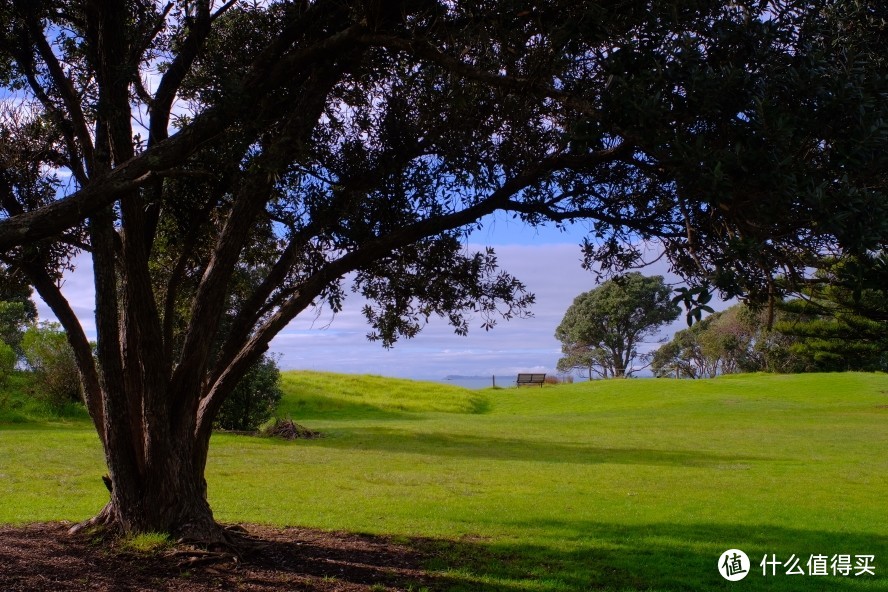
[615, 485]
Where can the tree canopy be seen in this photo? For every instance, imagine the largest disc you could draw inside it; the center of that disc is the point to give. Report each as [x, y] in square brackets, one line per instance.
[603, 328]
[228, 166]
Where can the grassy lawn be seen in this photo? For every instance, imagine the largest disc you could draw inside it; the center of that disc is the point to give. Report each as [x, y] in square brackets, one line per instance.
[618, 485]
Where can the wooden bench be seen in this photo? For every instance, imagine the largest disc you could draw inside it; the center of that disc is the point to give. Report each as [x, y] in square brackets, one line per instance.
[530, 379]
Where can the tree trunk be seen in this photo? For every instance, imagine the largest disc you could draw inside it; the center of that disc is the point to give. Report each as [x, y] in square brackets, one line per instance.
[168, 493]
[619, 366]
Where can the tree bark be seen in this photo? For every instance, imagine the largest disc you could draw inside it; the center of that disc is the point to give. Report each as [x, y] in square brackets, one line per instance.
[170, 497]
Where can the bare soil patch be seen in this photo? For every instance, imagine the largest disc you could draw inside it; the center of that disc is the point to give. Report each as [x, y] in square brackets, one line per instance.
[43, 557]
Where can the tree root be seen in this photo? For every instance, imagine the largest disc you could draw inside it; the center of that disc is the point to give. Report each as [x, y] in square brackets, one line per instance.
[104, 524]
[201, 542]
[191, 557]
[229, 544]
[215, 536]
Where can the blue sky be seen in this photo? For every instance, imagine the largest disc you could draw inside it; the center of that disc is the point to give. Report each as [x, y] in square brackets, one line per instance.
[546, 260]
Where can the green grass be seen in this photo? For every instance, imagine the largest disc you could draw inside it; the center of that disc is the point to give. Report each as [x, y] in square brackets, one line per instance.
[325, 395]
[148, 543]
[617, 485]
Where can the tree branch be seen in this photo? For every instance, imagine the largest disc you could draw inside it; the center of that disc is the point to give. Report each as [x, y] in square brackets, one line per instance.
[161, 106]
[61, 308]
[60, 80]
[423, 49]
[49, 291]
[26, 63]
[140, 48]
[67, 212]
[223, 9]
[352, 189]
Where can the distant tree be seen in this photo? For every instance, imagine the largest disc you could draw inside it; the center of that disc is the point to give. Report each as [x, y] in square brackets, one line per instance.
[681, 356]
[579, 357]
[51, 358]
[807, 335]
[604, 327]
[17, 309]
[732, 338]
[840, 322]
[14, 288]
[13, 320]
[721, 343]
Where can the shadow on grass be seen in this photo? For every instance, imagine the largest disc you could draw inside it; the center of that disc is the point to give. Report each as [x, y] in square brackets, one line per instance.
[589, 556]
[666, 557]
[493, 448]
[565, 557]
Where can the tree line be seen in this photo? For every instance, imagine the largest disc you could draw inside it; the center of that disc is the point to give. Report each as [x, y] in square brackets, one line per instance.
[829, 327]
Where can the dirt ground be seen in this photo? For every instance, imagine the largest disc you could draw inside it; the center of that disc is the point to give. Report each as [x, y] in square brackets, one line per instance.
[43, 557]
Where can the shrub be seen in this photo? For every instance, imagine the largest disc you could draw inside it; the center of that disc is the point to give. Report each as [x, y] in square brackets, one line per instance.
[254, 400]
[50, 356]
[13, 320]
[7, 362]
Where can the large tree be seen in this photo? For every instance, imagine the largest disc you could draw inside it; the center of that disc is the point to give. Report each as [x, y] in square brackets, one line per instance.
[197, 149]
[604, 327]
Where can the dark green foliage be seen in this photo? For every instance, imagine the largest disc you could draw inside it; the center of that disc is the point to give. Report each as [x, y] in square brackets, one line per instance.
[602, 329]
[756, 136]
[841, 322]
[13, 319]
[254, 400]
[828, 340]
[813, 334]
[14, 288]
